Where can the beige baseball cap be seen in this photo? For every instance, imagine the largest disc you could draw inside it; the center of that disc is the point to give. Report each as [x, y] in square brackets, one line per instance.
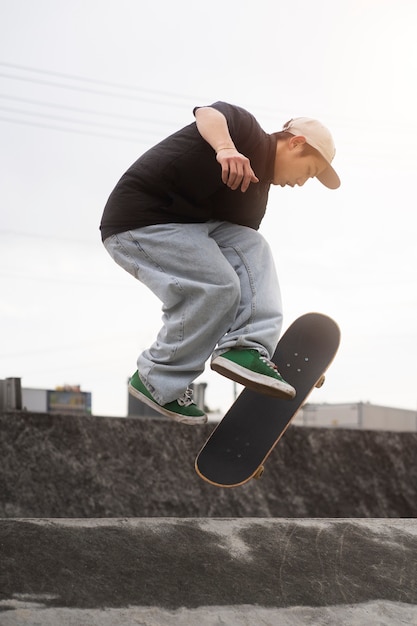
[318, 137]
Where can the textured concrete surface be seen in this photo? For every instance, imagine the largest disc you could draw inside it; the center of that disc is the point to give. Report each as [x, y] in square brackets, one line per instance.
[208, 572]
[87, 466]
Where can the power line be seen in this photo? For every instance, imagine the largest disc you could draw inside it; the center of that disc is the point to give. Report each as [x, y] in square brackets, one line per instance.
[75, 121]
[121, 130]
[96, 82]
[69, 130]
[271, 112]
[49, 83]
[82, 110]
[148, 95]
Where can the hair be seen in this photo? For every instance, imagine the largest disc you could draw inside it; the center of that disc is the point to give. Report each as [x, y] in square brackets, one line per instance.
[308, 150]
[283, 134]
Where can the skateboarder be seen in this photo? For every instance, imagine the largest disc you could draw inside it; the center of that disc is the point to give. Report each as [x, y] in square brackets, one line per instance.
[184, 220]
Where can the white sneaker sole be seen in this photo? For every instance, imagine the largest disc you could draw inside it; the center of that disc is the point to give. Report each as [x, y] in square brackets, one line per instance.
[176, 417]
[252, 380]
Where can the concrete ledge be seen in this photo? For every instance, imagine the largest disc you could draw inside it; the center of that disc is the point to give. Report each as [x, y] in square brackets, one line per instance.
[59, 466]
[208, 571]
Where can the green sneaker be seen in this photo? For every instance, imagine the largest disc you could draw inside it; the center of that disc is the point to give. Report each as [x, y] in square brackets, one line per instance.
[183, 410]
[251, 369]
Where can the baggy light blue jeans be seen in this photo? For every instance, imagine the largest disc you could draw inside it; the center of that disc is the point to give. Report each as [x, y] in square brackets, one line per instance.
[219, 290]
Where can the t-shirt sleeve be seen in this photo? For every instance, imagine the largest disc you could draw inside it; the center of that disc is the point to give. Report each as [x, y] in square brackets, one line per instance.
[243, 127]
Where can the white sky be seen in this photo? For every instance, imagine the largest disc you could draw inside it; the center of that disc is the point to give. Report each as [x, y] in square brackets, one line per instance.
[68, 313]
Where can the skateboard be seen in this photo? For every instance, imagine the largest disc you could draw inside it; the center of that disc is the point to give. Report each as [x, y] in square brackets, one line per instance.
[238, 447]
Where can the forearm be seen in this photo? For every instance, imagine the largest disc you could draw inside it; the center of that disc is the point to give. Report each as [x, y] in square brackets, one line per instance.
[212, 126]
[236, 169]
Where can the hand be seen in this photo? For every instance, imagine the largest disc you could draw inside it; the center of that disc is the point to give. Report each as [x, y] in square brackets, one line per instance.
[236, 169]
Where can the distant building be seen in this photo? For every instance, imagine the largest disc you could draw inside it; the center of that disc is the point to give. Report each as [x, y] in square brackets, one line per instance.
[67, 399]
[357, 415]
[70, 400]
[10, 394]
[348, 415]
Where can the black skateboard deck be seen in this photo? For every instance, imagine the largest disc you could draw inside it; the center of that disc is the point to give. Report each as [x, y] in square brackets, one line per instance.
[238, 447]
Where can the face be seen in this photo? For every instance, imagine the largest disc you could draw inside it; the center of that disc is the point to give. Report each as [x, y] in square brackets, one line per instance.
[292, 167]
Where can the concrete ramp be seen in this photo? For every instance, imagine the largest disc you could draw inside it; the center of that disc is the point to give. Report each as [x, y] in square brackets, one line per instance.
[207, 572]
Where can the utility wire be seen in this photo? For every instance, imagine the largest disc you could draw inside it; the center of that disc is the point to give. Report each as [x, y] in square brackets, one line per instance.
[76, 121]
[150, 100]
[162, 94]
[70, 130]
[65, 107]
[148, 95]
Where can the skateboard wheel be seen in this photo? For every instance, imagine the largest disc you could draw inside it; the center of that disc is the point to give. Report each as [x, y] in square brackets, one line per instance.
[259, 472]
[320, 381]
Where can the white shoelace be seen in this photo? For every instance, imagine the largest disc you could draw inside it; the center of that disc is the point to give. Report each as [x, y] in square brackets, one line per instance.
[269, 363]
[187, 398]
[272, 365]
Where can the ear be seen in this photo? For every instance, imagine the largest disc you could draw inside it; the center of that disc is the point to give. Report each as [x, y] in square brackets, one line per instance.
[296, 142]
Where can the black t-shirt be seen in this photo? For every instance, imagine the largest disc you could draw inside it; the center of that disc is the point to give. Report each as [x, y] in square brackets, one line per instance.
[179, 180]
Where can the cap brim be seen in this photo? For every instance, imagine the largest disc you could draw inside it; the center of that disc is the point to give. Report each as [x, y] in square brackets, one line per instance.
[329, 178]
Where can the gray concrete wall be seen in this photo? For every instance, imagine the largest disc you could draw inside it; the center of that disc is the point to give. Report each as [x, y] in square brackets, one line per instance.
[62, 466]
